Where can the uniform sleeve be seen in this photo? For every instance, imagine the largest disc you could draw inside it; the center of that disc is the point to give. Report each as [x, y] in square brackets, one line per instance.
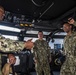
[74, 50]
[74, 23]
[48, 51]
[64, 50]
[8, 45]
[5, 70]
[34, 50]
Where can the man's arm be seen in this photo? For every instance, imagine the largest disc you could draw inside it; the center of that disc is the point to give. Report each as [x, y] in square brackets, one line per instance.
[49, 53]
[34, 52]
[72, 21]
[6, 69]
[7, 45]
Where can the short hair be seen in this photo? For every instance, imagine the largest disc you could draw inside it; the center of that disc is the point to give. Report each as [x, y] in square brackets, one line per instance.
[65, 23]
[69, 25]
[11, 55]
[40, 31]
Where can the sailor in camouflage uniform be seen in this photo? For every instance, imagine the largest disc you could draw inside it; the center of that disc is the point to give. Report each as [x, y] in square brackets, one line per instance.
[69, 66]
[7, 45]
[42, 55]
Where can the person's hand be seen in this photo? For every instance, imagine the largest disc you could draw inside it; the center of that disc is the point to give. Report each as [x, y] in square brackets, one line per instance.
[35, 60]
[29, 44]
[71, 21]
[50, 60]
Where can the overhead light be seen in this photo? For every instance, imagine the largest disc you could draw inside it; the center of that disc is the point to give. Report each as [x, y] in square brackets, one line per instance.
[11, 37]
[9, 28]
[26, 25]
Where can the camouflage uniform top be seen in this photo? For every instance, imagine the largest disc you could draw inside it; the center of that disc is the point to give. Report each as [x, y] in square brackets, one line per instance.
[7, 45]
[70, 46]
[10, 45]
[41, 51]
[69, 66]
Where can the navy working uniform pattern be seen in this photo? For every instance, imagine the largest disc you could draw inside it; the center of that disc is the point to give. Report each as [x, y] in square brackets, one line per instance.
[42, 55]
[69, 66]
[7, 45]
